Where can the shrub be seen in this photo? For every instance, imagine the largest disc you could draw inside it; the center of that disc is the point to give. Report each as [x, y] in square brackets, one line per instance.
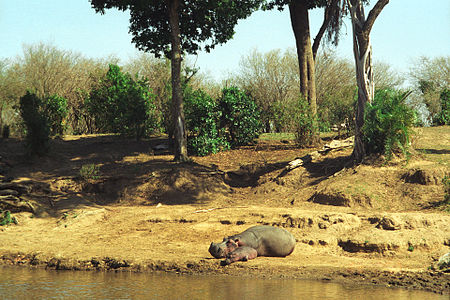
[202, 117]
[36, 124]
[90, 171]
[443, 118]
[281, 114]
[122, 105]
[305, 124]
[56, 111]
[337, 108]
[6, 218]
[240, 117]
[388, 123]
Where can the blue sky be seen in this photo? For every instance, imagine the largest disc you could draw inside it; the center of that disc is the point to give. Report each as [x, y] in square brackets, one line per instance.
[405, 30]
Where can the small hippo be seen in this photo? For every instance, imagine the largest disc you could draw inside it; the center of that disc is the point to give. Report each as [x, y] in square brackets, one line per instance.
[265, 240]
[243, 253]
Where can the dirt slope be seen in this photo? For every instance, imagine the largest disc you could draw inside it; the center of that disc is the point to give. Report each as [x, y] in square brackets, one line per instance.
[376, 223]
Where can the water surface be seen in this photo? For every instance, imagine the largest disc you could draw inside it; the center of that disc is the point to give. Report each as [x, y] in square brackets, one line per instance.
[23, 283]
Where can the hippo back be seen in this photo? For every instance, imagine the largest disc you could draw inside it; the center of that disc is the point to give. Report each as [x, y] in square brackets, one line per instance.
[269, 240]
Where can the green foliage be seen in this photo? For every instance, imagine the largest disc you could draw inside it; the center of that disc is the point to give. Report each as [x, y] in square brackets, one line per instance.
[202, 22]
[270, 4]
[56, 111]
[36, 124]
[388, 123]
[443, 118]
[305, 124]
[6, 218]
[202, 117]
[214, 126]
[240, 117]
[90, 171]
[281, 115]
[336, 109]
[122, 105]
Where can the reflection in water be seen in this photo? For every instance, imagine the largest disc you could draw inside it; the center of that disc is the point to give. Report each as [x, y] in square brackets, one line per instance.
[22, 283]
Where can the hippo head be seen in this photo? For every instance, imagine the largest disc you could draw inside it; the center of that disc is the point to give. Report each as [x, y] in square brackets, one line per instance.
[220, 250]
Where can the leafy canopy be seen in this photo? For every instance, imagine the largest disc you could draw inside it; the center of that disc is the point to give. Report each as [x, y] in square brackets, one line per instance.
[280, 3]
[204, 23]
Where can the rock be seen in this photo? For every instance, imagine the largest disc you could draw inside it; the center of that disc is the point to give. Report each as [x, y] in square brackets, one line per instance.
[160, 147]
[444, 262]
[389, 223]
[423, 176]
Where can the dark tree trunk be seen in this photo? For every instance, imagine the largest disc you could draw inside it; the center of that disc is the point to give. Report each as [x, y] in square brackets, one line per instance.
[300, 25]
[180, 141]
[362, 51]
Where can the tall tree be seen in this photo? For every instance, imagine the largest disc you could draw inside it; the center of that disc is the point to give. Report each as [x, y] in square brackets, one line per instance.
[176, 27]
[362, 51]
[307, 51]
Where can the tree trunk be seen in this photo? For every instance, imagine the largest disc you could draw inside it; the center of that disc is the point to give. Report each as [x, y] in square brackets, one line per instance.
[362, 51]
[300, 25]
[180, 142]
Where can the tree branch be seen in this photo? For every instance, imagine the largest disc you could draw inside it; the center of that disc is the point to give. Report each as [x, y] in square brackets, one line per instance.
[329, 11]
[373, 14]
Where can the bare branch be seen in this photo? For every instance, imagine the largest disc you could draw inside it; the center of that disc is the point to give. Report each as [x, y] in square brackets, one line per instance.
[373, 14]
[329, 11]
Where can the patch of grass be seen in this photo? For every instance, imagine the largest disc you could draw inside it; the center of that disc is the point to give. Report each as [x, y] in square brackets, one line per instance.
[6, 218]
[66, 217]
[277, 136]
[433, 143]
[90, 171]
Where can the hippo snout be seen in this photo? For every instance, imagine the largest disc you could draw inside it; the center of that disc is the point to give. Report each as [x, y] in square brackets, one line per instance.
[216, 251]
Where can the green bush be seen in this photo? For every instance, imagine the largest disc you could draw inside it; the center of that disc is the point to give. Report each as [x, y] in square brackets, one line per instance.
[36, 124]
[281, 114]
[443, 118]
[305, 124]
[56, 111]
[122, 105]
[90, 171]
[202, 117]
[337, 108]
[6, 218]
[388, 123]
[240, 117]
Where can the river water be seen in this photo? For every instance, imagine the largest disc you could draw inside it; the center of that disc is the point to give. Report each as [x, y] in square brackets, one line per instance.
[23, 283]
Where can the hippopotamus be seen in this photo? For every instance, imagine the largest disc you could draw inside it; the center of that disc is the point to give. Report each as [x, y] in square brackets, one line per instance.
[261, 240]
[242, 253]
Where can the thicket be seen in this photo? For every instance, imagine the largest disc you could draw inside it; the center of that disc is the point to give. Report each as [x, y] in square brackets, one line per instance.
[431, 82]
[94, 97]
[55, 110]
[215, 125]
[240, 117]
[122, 104]
[305, 124]
[443, 117]
[37, 129]
[202, 120]
[388, 123]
